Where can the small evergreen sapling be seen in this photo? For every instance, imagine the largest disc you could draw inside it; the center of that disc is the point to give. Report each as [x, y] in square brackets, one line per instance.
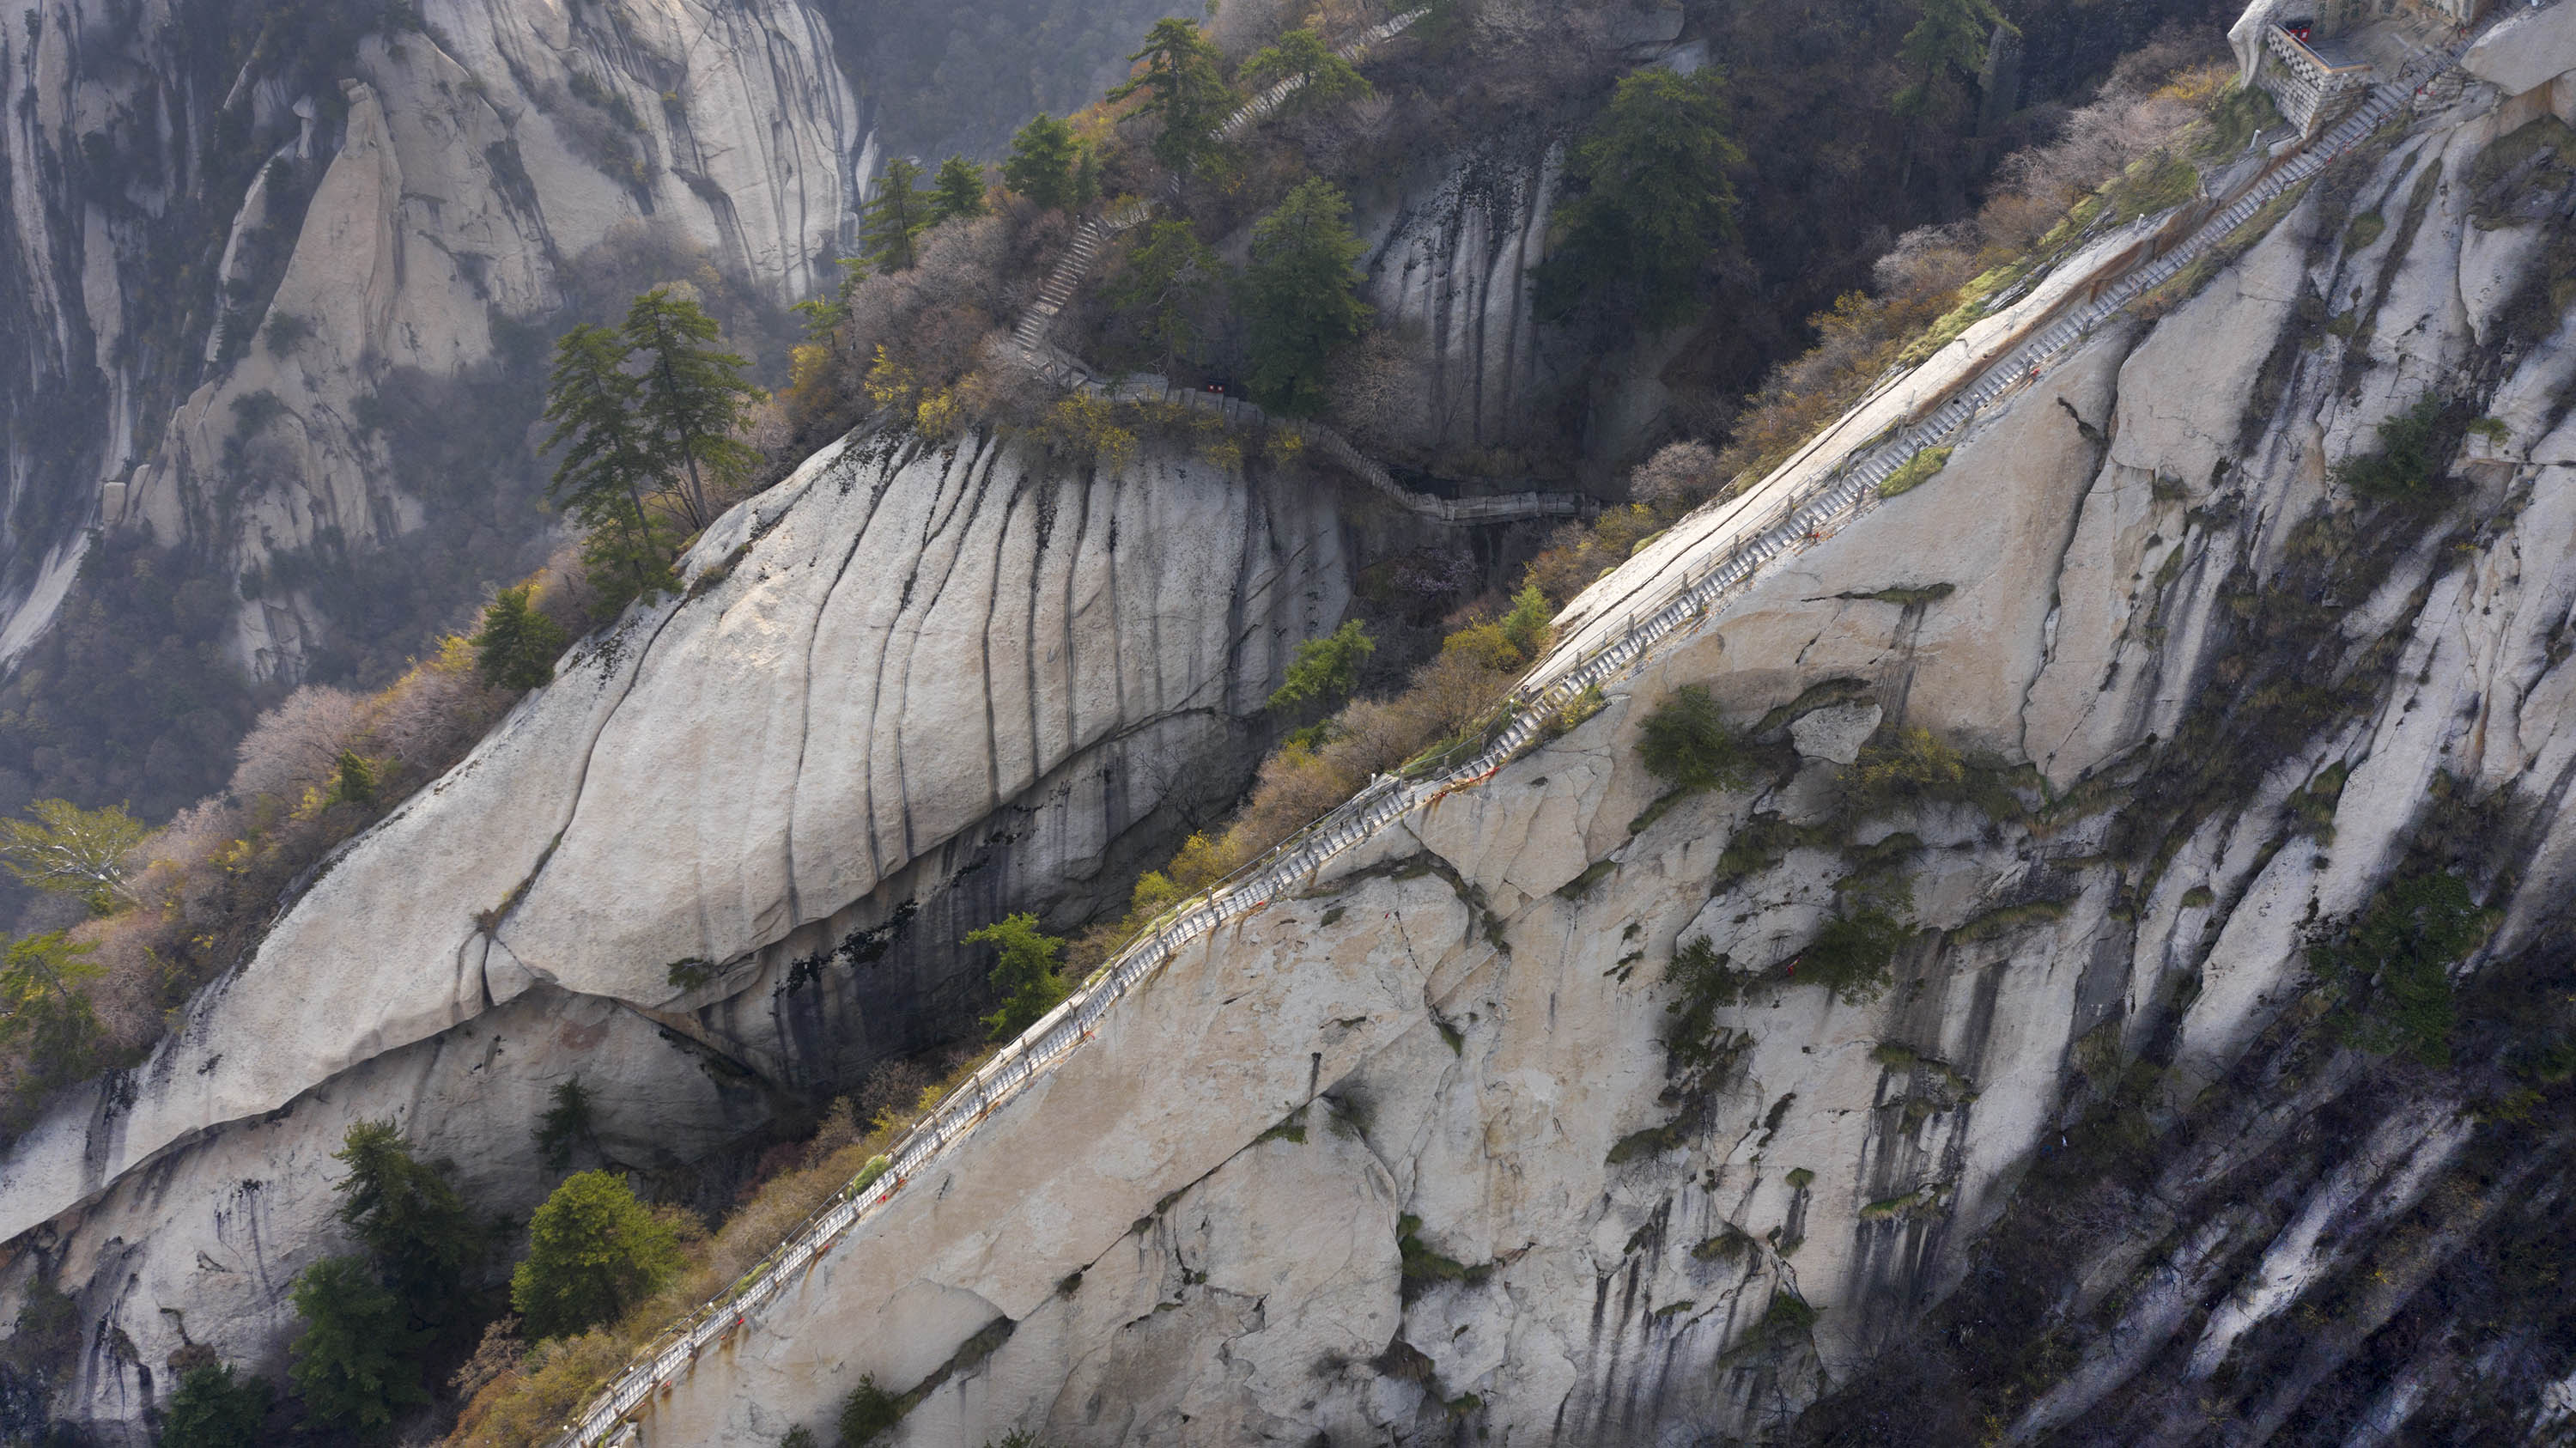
[957, 192]
[1024, 976]
[517, 645]
[898, 213]
[214, 1408]
[566, 1124]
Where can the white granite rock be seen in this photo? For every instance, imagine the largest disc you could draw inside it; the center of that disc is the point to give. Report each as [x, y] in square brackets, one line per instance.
[1835, 734]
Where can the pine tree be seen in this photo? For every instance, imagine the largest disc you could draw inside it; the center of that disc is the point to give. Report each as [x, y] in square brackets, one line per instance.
[1186, 90]
[353, 1365]
[689, 395]
[1025, 975]
[410, 1218]
[1325, 79]
[1655, 200]
[517, 645]
[44, 1016]
[628, 555]
[957, 192]
[593, 1252]
[898, 212]
[565, 1125]
[1301, 296]
[607, 457]
[1949, 39]
[1169, 278]
[215, 1409]
[1044, 156]
[73, 851]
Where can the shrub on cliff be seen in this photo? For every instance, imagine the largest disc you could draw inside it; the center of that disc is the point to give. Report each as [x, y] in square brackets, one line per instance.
[1025, 975]
[411, 1219]
[215, 1409]
[517, 646]
[2388, 972]
[868, 1413]
[2406, 463]
[593, 1251]
[354, 1364]
[1326, 668]
[1687, 744]
[1653, 198]
[1851, 956]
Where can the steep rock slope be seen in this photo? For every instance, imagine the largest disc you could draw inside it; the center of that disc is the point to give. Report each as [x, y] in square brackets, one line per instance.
[728, 853]
[279, 243]
[1449, 272]
[1435, 1149]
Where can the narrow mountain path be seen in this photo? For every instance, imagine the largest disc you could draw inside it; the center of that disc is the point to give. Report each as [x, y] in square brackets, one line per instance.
[1718, 551]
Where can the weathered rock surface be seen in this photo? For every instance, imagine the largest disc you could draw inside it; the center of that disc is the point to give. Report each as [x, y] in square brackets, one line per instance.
[1458, 1037]
[462, 166]
[1448, 270]
[910, 690]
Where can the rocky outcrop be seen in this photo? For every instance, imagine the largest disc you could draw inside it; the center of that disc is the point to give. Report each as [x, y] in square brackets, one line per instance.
[1448, 271]
[477, 160]
[725, 858]
[1429, 1151]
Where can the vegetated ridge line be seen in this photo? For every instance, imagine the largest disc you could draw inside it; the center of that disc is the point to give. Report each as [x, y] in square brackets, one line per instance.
[1029, 336]
[1555, 682]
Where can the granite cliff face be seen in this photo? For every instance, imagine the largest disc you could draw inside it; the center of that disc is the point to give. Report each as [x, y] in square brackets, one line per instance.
[1420, 1152]
[727, 855]
[226, 268]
